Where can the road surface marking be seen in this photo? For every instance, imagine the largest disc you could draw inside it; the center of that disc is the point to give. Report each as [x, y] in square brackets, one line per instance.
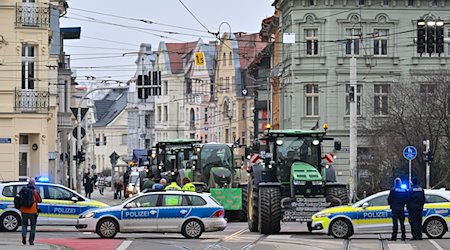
[435, 244]
[232, 236]
[124, 245]
[400, 246]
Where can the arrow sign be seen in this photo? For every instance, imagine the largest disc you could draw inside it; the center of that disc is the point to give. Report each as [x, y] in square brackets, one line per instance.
[410, 153]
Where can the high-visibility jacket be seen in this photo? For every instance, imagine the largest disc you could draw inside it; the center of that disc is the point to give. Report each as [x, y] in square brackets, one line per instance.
[173, 186]
[188, 187]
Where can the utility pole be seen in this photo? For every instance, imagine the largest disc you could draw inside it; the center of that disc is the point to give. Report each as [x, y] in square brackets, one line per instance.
[352, 95]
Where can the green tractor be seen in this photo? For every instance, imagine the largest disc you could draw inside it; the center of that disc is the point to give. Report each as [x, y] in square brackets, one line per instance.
[291, 183]
[215, 171]
[175, 158]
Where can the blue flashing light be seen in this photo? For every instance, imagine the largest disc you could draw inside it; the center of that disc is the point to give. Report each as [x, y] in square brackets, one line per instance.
[42, 179]
[404, 186]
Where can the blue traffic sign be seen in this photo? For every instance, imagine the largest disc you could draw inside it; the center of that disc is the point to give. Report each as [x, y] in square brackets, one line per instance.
[410, 152]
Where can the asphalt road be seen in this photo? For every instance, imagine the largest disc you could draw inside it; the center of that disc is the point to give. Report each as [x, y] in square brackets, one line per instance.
[236, 236]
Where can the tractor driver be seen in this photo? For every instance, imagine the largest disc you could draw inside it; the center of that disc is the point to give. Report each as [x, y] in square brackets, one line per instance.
[212, 160]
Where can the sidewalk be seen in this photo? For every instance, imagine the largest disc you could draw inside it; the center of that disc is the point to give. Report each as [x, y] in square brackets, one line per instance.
[107, 197]
[14, 243]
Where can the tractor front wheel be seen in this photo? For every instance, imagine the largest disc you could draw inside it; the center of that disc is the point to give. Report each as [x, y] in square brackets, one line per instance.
[252, 206]
[269, 210]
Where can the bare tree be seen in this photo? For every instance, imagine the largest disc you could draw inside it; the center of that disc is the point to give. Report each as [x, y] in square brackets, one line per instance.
[418, 110]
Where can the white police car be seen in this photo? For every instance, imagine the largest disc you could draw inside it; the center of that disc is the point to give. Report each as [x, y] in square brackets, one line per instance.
[373, 214]
[60, 205]
[188, 213]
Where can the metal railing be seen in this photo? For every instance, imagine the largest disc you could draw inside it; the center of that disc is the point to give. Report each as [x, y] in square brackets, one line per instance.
[31, 15]
[30, 100]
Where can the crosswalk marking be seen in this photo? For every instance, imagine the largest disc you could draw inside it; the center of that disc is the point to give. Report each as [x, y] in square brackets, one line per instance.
[400, 246]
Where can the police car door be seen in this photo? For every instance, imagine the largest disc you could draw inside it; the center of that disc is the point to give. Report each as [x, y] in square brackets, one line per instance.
[42, 207]
[140, 214]
[173, 212]
[375, 215]
[62, 210]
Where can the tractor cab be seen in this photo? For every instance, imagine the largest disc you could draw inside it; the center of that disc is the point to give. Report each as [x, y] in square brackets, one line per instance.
[216, 165]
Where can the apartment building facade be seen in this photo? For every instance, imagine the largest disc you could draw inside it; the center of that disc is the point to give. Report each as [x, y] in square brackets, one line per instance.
[314, 70]
[28, 88]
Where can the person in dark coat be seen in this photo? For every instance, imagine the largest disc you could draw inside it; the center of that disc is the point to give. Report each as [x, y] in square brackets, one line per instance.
[88, 185]
[397, 199]
[415, 204]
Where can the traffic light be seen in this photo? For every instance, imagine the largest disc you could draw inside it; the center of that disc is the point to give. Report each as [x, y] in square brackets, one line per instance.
[81, 156]
[428, 156]
[351, 93]
[439, 37]
[430, 39]
[421, 36]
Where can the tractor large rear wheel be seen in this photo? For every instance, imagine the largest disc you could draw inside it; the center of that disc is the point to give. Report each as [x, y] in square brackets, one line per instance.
[252, 206]
[269, 210]
[337, 194]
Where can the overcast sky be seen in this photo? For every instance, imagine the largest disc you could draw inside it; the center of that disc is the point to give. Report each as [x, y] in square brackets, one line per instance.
[110, 28]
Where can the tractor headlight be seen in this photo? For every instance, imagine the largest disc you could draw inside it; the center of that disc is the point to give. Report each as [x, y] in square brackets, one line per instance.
[317, 182]
[269, 166]
[296, 182]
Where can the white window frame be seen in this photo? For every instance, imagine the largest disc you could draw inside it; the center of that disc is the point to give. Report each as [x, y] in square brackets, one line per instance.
[28, 66]
[350, 34]
[382, 40]
[359, 91]
[312, 100]
[166, 113]
[311, 41]
[380, 93]
[159, 113]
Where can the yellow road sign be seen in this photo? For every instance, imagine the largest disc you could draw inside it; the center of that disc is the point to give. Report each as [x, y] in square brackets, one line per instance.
[199, 58]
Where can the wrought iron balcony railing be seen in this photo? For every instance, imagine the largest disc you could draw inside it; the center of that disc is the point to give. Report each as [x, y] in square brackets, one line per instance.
[30, 100]
[31, 15]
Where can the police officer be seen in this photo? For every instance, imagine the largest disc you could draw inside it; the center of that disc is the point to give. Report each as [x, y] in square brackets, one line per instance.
[397, 199]
[415, 208]
[173, 184]
[187, 185]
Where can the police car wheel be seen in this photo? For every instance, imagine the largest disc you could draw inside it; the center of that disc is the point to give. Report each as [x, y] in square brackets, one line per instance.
[434, 228]
[10, 222]
[192, 229]
[341, 228]
[107, 228]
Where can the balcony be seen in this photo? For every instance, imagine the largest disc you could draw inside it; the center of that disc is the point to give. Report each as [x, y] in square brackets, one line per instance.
[65, 121]
[64, 62]
[30, 15]
[32, 101]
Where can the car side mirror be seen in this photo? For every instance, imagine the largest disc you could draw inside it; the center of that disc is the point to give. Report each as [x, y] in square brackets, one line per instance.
[74, 199]
[365, 205]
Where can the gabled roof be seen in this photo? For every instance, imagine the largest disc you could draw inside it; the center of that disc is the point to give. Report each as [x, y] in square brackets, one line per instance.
[249, 46]
[176, 51]
[107, 109]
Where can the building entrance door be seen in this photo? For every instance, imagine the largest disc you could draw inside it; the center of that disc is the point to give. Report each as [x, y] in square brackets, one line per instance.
[24, 158]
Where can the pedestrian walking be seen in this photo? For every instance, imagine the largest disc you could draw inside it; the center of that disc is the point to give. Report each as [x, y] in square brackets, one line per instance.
[415, 204]
[397, 199]
[118, 186]
[29, 198]
[101, 183]
[88, 185]
[187, 185]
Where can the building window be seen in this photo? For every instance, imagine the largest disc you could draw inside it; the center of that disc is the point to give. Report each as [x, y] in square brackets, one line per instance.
[380, 41]
[97, 141]
[312, 41]
[206, 114]
[206, 138]
[224, 59]
[188, 86]
[312, 99]
[427, 92]
[166, 113]
[227, 83]
[124, 139]
[434, 3]
[28, 66]
[311, 2]
[230, 59]
[244, 111]
[361, 2]
[410, 2]
[159, 113]
[386, 2]
[104, 139]
[381, 99]
[352, 44]
[358, 99]
[166, 87]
